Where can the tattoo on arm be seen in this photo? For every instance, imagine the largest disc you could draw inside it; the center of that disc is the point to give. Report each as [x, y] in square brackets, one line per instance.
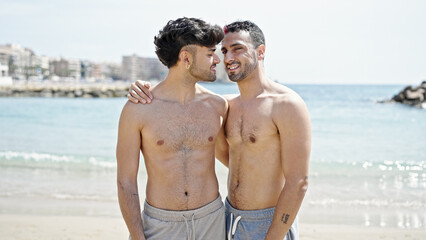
[284, 218]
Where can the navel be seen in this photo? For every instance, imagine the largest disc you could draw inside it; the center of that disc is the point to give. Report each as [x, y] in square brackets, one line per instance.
[210, 139]
[186, 193]
[160, 142]
[252, 139]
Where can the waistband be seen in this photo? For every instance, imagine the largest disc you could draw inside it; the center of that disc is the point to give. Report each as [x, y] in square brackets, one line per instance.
[267, 213]
[176, 216]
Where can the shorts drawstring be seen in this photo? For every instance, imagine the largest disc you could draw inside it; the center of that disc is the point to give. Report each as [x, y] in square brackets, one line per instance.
[187, 227]
[233, 226]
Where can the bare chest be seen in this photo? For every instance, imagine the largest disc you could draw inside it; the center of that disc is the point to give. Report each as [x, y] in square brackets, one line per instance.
[249, 124]
[174, 129]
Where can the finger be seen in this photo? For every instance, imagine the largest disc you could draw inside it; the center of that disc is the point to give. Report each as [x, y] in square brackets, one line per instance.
[144, 86]
[132, 99]
[148, 85]
[139, 94]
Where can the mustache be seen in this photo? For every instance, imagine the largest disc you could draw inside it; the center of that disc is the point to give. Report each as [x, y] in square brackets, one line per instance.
[234, 62]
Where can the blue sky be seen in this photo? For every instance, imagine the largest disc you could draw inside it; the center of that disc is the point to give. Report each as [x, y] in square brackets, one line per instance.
[309, 41]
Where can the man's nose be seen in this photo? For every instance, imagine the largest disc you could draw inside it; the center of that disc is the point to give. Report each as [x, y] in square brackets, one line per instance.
[216, 59]
[228, 57]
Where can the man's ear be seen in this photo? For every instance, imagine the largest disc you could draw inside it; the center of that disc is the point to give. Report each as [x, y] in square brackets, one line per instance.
[186, 56]
[261, 52]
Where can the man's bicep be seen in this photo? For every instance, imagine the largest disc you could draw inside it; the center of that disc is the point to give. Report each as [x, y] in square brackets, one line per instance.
[128, 145]
[295, 138]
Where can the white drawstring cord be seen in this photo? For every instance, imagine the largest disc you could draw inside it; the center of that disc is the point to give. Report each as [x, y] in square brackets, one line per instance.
[230, 227]
[193, 227]
[187, 227]
[233, 226]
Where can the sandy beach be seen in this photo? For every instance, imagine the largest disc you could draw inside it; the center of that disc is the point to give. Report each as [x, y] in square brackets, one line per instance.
[24, 227]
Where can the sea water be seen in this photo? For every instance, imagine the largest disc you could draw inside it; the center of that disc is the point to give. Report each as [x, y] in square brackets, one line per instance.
[57, 156]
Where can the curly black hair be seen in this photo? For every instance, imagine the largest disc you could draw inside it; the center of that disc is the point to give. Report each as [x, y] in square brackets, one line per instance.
[182, 32]
[256, 34]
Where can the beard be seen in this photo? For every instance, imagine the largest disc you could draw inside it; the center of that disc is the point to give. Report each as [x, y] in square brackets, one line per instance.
[202, 74]
[245, 70]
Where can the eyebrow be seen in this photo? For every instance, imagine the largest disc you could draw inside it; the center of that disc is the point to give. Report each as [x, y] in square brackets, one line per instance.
[212, 49]
[236, 44]
[233, 45]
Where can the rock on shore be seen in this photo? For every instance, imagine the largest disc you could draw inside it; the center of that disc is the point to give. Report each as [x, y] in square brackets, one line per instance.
[89, 90]
[411, 96]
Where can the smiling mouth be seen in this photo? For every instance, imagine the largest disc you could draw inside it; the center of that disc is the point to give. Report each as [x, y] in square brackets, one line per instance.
[232, 67]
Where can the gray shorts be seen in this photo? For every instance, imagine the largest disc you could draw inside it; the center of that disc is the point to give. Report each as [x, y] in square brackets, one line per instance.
[253, 224]
[204, 223]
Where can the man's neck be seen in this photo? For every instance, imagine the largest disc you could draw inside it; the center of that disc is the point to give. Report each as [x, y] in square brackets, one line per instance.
[254, 84]
[178, 87]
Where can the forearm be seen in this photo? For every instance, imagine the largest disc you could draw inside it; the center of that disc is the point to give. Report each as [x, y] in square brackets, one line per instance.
[128, 198]
[286, 210]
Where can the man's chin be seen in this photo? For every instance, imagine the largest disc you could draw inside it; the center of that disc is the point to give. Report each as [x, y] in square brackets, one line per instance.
[211, 79]
[234, 78]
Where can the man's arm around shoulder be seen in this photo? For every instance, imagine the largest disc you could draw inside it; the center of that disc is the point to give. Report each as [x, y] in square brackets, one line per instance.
[128, 147]
[292, 120]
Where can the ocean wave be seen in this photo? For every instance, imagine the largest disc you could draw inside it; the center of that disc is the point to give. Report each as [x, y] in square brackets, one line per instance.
[386, 165]
[29, 159]
[36, 157]
[380, 203]
[82, 197]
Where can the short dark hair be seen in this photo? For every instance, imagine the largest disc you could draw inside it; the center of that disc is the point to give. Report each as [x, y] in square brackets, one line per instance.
[182, 32]
[255, 33]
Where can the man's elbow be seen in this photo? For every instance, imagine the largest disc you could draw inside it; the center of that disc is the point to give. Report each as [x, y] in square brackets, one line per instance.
[302, 185]
[125, 184]
[299, 186]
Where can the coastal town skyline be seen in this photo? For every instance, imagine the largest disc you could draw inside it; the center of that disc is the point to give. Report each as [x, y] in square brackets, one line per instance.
[23, 63]
[365, 42]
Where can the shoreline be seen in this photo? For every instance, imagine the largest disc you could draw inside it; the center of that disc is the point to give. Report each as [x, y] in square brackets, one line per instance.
[38, 227]
[67, 89]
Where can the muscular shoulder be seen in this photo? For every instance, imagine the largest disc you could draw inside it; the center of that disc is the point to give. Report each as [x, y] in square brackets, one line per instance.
[289, 108]
[217, 101]
[133, 114]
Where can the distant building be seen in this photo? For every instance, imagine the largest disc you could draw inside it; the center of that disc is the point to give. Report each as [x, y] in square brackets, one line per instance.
[86, 71]
[112, 70]
[5, 79]
[135, 67]
[42, 67]
[91, 71]
[20, 61]
[74, 69]
[69, 69]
